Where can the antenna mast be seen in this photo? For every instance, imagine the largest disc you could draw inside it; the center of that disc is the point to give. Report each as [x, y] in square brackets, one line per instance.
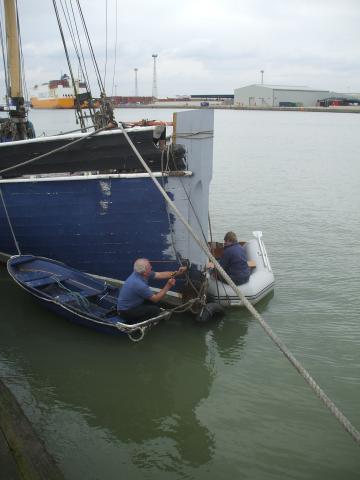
[154, 85]
[262, 77]
[136, 82]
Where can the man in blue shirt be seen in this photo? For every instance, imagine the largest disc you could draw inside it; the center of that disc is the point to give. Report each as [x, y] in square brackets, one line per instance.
[234, 260]
[137, 302]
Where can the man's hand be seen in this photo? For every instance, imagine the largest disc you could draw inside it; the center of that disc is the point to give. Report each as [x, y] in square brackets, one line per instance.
[158, 296]
[178, 272]
[170, 283]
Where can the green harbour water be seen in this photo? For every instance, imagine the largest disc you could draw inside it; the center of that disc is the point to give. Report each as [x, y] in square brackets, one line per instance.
[218, 400]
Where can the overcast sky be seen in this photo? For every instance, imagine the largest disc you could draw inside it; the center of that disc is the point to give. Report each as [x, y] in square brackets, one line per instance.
[205, 46]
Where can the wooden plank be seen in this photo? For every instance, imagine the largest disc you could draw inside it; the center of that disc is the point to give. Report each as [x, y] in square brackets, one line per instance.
[32, 460]
[251, 263]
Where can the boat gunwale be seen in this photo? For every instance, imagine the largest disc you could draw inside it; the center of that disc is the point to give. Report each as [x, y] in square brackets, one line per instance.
[56, 137]
[251, 298]
[97, 176]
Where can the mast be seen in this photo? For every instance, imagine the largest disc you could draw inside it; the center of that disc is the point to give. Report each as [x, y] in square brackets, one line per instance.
[18, 127]
[13, 50]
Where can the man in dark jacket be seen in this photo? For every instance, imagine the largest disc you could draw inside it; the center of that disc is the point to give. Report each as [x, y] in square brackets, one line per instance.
[234, 260]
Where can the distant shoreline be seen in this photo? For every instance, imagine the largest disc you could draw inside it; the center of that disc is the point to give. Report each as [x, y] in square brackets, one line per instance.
[256, 108]
[189, 106]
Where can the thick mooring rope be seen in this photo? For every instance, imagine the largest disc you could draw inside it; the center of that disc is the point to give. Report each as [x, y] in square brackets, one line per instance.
[355, 434]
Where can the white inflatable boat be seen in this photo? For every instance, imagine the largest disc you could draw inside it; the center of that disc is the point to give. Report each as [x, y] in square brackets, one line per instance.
[261, 281]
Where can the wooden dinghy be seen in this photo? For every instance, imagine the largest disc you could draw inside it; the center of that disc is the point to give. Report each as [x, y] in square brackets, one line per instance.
[75, 295]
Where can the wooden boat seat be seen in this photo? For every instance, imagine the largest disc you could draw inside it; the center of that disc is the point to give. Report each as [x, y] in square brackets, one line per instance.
[28, 275]
[22, 260]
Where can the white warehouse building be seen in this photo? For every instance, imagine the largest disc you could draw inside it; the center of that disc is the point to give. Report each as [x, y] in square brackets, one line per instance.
[278, 96]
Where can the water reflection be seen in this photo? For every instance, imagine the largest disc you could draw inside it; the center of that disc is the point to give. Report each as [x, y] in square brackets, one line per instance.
[146, 396]
[230, 334]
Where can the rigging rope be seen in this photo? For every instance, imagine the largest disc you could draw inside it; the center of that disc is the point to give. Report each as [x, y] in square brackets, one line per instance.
[355, 434]
[81, 62]
[72, 27]
[79, 48]
[91, 50]
[106, 41]
[211, 240]
[9, 222]
[116, 41]
[56, 150]
[69, 21]
[78, 110]
[173, 244]
[23, 79]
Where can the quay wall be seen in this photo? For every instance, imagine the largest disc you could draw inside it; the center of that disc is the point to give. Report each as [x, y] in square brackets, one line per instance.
[22, 454]
[262, 108]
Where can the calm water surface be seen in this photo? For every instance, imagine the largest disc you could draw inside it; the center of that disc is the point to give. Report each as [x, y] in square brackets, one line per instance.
[218, 400]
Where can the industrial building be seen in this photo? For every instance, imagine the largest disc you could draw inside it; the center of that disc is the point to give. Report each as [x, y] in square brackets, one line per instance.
[278, 96]
[214, 97]
[340, 101]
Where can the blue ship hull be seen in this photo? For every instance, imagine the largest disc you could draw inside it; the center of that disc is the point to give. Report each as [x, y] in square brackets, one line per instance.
[98, 226]
[101, 223]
